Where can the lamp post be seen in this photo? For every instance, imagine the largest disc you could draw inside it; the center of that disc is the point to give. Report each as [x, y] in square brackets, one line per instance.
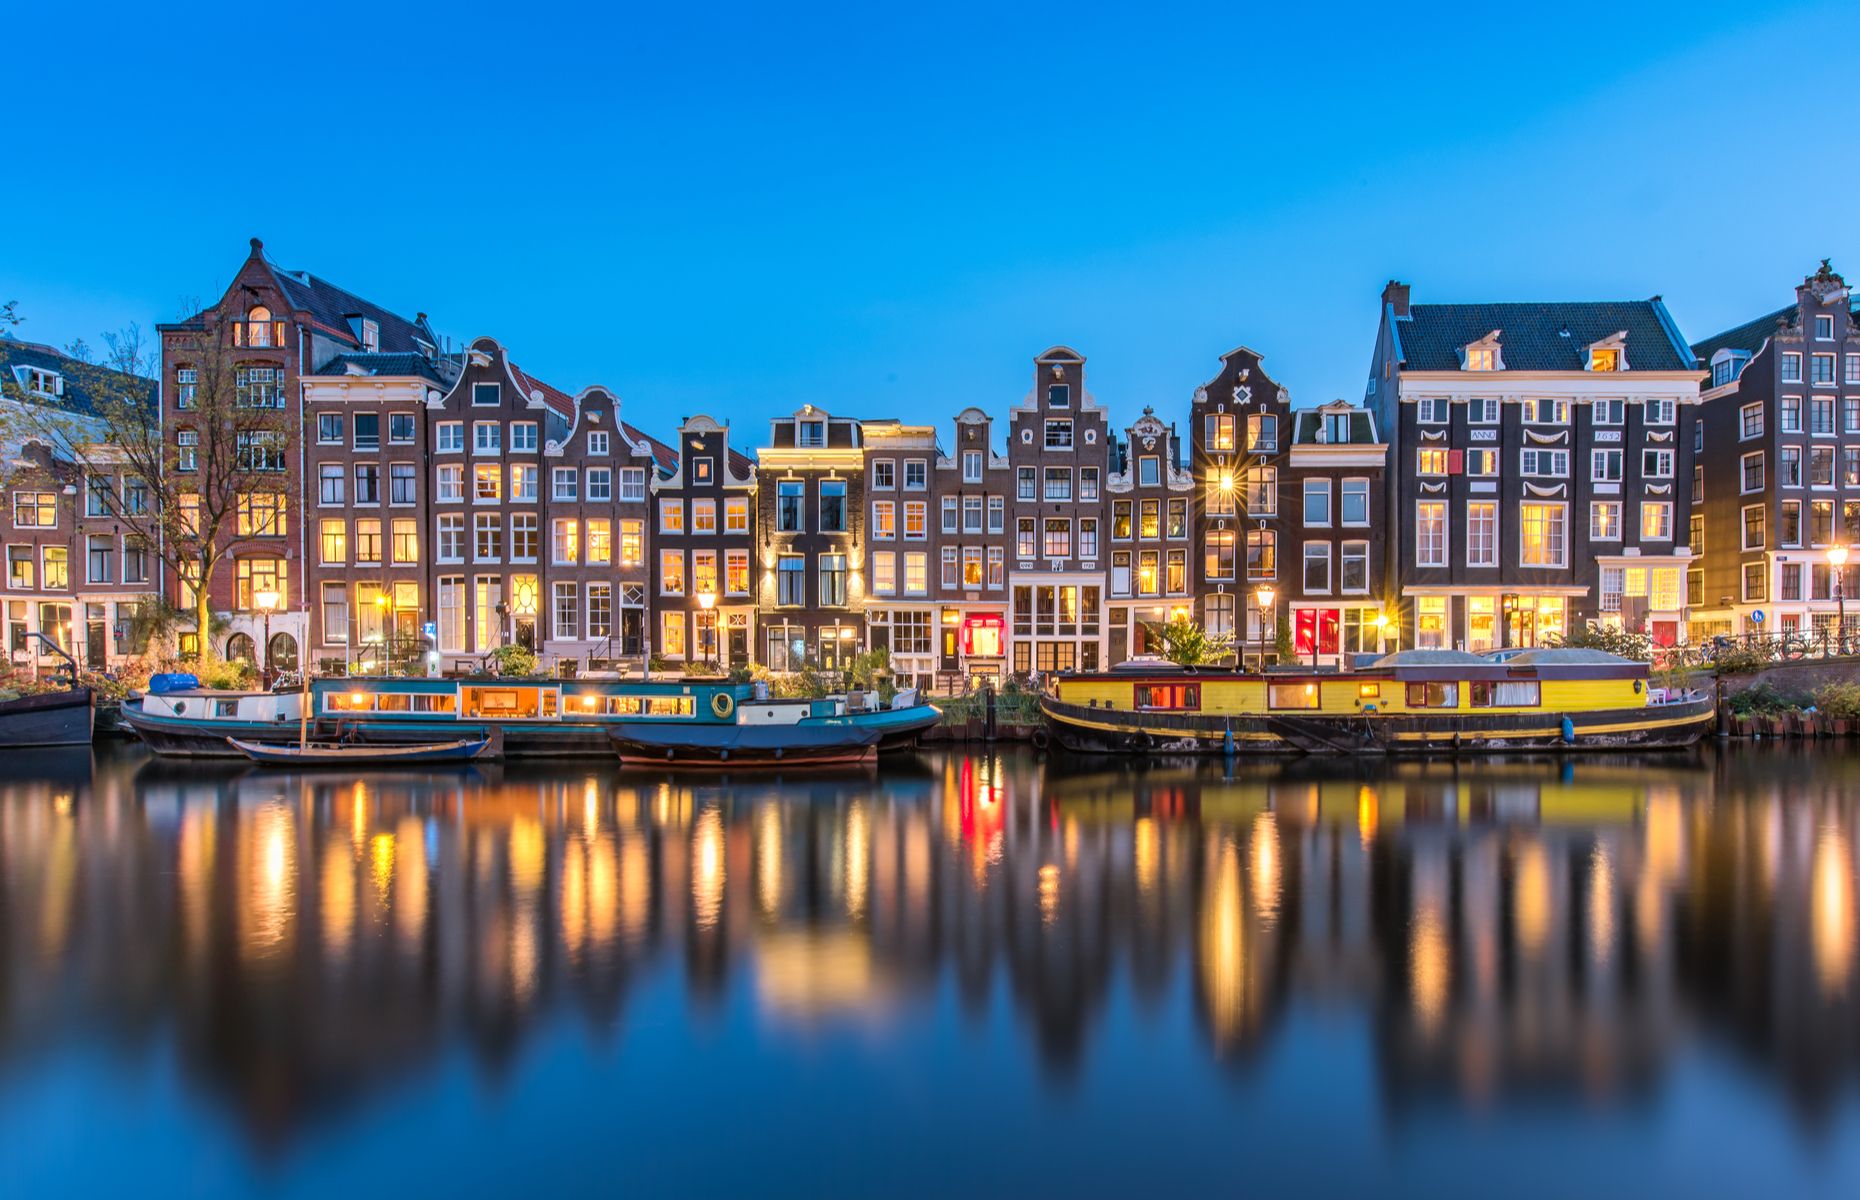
[1262, 596]
[1837, 559]
[266, 602]
[707, 625]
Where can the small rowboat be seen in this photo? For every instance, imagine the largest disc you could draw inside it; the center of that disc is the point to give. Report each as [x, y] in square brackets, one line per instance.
[359, 755]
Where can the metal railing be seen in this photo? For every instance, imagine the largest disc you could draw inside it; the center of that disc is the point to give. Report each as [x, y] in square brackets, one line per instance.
[1824, 642]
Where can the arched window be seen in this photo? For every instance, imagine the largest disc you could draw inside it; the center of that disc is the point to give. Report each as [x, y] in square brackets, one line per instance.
[283, 653]
[258, 326]
[239, 645]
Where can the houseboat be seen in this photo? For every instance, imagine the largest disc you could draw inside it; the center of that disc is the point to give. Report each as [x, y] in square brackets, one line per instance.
[539, 718]
[1411, 702]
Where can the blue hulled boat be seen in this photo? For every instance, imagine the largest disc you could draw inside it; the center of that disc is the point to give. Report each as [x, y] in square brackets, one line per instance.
[532, 717]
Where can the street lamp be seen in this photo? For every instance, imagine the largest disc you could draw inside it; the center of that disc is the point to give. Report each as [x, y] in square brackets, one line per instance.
[1837, 559]
[266, 602]
[707, 625]
[1262, 595]
[1382, 633]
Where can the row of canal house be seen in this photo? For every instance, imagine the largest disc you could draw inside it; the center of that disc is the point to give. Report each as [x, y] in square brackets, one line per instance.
[1513, 471]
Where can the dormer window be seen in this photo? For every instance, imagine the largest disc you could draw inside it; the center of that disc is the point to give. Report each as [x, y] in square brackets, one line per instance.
[1609, 353]
[1725, 366]
[811, 433]
[1482, 355]
[41, 382]
[371, 336]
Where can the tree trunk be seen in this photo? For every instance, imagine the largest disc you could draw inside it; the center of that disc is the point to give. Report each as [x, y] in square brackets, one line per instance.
[203, 616]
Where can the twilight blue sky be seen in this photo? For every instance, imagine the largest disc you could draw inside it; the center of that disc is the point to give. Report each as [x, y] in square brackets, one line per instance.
[889, 210]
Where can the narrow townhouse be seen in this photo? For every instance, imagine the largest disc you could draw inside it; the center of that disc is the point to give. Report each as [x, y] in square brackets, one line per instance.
[972, 485]
[1240, 430]
[1776, 503]
[487, 432]
[903, 486]
[703, 555]
[1149, 493]
[367, 446]
[598, 575]
[1333, 585]
[1059, 447]
[810, 485]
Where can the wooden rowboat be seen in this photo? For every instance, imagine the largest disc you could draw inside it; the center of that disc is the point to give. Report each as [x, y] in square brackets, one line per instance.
[359, 755]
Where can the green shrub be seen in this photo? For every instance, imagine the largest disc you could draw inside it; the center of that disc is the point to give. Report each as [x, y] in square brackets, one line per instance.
[1762, 700]
[1740, 659]
[1608, 639]
[1839, 700]
[514, 660]
[233, 675]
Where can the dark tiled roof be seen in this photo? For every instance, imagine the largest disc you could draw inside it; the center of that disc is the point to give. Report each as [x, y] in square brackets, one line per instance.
[441, 371]
[1748, 337]
[82, 381]
[664, 458]
[1531, 336]
[332, 306]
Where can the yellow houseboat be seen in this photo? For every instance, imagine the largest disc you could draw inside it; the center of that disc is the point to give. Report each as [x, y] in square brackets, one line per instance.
[1412, 702]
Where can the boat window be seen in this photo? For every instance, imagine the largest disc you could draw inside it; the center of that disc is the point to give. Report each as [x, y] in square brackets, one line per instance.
[1508, 693]
[393, 702]
[500, 702]
[425, 702]
[1168, 695]
[1433, 695]
[225, 708]
[651, 706]
[1368, 691]
[349, 702]
[1291, 695]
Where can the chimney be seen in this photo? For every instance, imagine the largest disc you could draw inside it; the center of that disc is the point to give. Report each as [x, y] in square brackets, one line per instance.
[1396, 294]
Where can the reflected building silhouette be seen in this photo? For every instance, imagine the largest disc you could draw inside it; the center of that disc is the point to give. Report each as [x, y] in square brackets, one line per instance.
[1509, 931]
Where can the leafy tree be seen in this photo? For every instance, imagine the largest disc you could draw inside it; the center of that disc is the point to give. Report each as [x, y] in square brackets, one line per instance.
[187, 509]
[1187, 643]
[1285, 647]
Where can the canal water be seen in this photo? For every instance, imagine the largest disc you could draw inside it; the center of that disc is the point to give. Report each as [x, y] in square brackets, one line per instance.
[968, 974]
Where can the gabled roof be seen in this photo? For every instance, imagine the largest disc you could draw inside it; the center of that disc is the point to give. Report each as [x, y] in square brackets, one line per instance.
[554, 397]
[1748, 337]
[332, 306]
[442, 371]
[1542, 337]
[82, 380]
[664, 458]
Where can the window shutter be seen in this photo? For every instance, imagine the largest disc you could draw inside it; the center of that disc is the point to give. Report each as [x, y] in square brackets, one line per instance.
[1456, 461]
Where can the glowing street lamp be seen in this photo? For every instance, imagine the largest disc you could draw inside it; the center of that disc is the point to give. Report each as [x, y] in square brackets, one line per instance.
[1382, 632]
[1837, 559]
[707, 625]
[267, 602]
[1262, 595]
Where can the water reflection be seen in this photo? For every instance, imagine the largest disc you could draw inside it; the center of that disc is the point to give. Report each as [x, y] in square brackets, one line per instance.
[1509, 930]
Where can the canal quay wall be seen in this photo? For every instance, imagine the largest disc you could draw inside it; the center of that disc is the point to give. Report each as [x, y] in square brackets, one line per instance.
[1795, 683]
